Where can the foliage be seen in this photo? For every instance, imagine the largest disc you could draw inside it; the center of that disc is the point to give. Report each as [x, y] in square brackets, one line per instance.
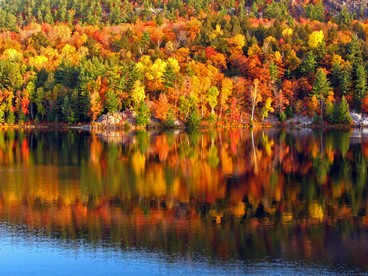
[194, 119]
[71, 62]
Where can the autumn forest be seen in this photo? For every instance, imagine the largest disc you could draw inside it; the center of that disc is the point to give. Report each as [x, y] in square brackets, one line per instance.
[200, 62]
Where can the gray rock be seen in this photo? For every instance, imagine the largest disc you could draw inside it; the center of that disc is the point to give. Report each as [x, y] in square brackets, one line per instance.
[300, 120]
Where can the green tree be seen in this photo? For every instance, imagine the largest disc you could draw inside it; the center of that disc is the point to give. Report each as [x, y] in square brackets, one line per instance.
[112, 102]
[143, 114]
[321, 87]
[67, 110]
[213, 93]
[354, 51]
[309, 64]
[169, 77]
[347, 78]
[194, 120]
[39, 101]
[342, 113]
[360, 83]
[316, 11]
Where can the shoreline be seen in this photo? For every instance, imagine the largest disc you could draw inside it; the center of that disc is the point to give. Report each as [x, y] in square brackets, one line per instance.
[132, 128]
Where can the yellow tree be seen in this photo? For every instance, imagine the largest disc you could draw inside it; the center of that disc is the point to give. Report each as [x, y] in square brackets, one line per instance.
[236, 44]
[138, 94]
[267, 108]
[226, 90]
[315, 39]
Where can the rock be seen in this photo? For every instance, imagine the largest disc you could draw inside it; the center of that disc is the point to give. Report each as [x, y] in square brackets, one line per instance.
[271, 119]
[110, 119]
[364, 122]
[300, 120]
[179, 123]
[357, 118]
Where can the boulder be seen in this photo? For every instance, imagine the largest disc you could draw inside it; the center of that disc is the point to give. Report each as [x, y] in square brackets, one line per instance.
[357, 118]
[300, 120]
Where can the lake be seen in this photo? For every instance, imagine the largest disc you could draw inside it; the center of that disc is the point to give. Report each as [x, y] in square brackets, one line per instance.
[210, 202]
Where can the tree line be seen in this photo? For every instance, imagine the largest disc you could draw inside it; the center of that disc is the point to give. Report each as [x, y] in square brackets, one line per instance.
[200, 62]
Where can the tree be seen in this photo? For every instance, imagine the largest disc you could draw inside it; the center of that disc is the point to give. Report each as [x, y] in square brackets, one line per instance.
[342, 114]
[144, 43]
[95, 105]
[112, 102]
[364, 105]
[321, 87]
[267, 108]
[138, 94]
[315, 11]
[162, 107]
[315, 39]
[255, 96]
[226, 90]
[170, 74]
[143, 114]
[309, 64]
[67, 110]
[346, 78]
[39, 100]
[194, 120]
[313, 105]
[360, 83]
[213, 93]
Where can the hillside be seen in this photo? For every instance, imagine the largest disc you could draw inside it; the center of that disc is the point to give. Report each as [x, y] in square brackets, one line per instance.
[203, 62]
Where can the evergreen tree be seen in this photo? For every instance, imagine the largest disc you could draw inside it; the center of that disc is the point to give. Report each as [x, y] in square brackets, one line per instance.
[169, 77]
[112, 102]
[336, 76]
[67, 110]
[321, 87]
[316, 11]
[342, 113]
[360, 83]
[143, 114]
[309, 64]
[354, 50]
[346, 79]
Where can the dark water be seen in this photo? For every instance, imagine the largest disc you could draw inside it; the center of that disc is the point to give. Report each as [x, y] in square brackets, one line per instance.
[232, 202]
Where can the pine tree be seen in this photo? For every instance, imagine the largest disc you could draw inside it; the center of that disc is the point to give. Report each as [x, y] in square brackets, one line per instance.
[360, 83]
[355, 52]
[309, 64]
[143, 114]
[346, 78]
[112, 102]
[342, 114]
[169, 76]
[321, 87]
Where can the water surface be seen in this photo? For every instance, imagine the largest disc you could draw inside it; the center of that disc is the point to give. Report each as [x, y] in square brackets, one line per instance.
[232, 202]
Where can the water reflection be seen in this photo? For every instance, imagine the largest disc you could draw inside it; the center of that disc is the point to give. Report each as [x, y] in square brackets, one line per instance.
[225, 196]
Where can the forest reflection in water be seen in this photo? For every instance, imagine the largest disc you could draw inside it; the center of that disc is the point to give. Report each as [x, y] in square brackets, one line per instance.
[238, 195]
